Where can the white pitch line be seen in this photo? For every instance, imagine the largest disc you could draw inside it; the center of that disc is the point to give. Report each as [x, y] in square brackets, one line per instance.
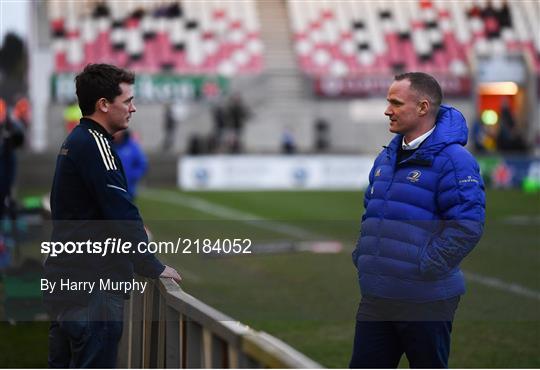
[522, 220]
[227, 213]
[224, 212]
[502, 285]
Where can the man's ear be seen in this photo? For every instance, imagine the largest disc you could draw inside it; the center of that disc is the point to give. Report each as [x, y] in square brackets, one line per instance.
[423, 107]
[102, 105]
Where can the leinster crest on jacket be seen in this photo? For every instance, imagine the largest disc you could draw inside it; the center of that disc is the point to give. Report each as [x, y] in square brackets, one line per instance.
[414, 176]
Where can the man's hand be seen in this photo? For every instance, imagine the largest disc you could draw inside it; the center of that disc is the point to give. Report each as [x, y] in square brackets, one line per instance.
[169, 272]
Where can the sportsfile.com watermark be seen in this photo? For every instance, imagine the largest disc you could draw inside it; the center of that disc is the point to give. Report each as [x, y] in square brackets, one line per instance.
[179, 246]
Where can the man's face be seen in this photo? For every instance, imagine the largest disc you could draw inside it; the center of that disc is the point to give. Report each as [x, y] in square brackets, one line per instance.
[121, 108]
[402, 108]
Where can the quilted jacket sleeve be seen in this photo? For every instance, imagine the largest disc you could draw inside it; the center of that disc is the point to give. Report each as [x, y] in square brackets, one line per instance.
[461, 203]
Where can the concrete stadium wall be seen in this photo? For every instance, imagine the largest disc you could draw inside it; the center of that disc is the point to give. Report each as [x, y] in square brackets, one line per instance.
[36, 171]
[356, 126]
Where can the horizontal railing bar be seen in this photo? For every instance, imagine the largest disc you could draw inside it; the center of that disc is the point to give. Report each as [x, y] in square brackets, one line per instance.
[217, 322]
[241, 342]
[274, 353]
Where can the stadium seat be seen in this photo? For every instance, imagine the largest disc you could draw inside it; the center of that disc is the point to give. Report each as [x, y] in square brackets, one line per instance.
[191, 37]
[348, 38]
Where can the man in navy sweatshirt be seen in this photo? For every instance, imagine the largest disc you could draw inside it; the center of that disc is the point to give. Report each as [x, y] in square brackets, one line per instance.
[92, 214]
[425, 211]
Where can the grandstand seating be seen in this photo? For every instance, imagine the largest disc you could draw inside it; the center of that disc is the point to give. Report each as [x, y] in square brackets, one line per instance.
[339, 38]
[190, 37]
[348, 38]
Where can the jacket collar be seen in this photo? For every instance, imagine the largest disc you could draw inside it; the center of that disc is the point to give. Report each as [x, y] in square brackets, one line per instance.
[90, 123]
[415, 144]
[451, 128]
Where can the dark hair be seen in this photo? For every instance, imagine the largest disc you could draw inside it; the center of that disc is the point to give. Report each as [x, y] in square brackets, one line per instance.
[98, 81]
[426, 85]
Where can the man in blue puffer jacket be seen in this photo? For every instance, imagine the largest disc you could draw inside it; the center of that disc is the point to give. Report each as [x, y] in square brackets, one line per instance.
[425, 210]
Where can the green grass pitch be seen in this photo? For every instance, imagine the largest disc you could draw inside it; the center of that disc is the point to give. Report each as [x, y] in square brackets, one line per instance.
[309, 299]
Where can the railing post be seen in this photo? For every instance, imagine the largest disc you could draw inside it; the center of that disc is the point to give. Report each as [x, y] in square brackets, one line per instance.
[183, 341]
[194, 356]
[137, 308]
[147, 326]
[129, 328]
[161, 332]
[173, 330]
[232, 355]
[206, 348]
[125, 345]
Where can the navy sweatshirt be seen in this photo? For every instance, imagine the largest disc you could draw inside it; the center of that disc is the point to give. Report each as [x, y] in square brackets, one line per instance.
[89, 202]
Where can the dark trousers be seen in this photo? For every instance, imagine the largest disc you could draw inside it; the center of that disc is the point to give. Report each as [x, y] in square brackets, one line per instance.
[381, 344]
[87, 336]
[422, 333]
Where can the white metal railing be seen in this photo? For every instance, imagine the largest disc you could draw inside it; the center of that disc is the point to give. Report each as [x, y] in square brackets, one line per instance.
[168, 328]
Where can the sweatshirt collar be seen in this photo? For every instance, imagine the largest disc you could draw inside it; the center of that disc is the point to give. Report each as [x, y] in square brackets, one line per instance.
[90, 123]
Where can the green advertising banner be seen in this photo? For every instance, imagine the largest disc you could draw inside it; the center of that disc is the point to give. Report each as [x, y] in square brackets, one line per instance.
[511, 172]
[155, 88]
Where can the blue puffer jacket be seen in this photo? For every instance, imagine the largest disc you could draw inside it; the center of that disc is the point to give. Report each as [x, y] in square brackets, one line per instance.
[423, 216]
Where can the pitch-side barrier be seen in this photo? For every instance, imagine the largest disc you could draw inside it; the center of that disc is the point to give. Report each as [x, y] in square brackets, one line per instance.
[167, 328]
